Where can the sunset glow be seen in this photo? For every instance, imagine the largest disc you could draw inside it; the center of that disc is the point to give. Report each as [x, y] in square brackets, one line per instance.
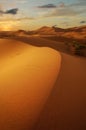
[6, 28]
[32, 14]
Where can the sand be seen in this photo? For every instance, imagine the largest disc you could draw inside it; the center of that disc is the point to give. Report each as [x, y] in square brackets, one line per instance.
[27, 77]
[40, 88]
[66, 106]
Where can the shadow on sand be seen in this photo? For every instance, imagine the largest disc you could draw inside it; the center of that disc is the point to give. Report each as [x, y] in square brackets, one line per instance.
[42, 42]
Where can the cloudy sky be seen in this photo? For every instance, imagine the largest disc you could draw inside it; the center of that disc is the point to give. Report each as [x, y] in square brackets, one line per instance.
[32, 14]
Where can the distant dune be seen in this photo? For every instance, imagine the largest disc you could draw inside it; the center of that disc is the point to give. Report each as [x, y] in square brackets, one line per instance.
[48, 30]
[78, 33]
[69, 34]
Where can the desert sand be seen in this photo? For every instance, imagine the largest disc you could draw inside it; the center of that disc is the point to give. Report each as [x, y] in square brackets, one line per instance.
[41, 88]
[27, 77]
[65, 108]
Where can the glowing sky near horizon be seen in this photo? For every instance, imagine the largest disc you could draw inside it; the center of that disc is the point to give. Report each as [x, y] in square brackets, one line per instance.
[32, 14]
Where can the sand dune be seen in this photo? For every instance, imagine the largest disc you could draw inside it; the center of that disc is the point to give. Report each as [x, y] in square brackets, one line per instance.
[66, 106]
[27, 76]
[69, 34]
[32, 95]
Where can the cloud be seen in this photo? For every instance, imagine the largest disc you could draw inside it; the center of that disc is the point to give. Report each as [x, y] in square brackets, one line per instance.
[63, 9]
[47, 6]
[79, 3]
[15, 19]
[62, 12]
[50, 6]
[25, 18]
[1, 12]
[82, 22]
[11, 11]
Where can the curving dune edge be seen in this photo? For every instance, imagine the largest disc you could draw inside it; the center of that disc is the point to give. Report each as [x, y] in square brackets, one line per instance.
[27, 76]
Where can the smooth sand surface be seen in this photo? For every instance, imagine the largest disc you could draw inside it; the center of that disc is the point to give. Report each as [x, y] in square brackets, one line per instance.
[66, 106]
[27, 76]
[30, 93]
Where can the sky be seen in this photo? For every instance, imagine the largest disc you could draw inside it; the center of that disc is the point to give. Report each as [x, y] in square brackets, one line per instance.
[33, 14]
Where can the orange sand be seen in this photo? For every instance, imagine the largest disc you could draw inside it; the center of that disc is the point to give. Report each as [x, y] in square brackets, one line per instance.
[27, 76]
[29, 96]
[66, 107]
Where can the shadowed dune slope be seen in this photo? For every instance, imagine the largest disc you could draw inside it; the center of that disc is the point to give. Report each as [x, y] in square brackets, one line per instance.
[27, 76]
[66, 106]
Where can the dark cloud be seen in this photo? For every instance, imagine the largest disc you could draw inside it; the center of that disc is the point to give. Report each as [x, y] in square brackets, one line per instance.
[61, 5]
[63, 9]
[1, 12]
[12, 11]
[48, 6]
[82, 22]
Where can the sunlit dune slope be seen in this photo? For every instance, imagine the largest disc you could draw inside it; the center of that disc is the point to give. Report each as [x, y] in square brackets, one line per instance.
[10, 48]
[27, 76]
